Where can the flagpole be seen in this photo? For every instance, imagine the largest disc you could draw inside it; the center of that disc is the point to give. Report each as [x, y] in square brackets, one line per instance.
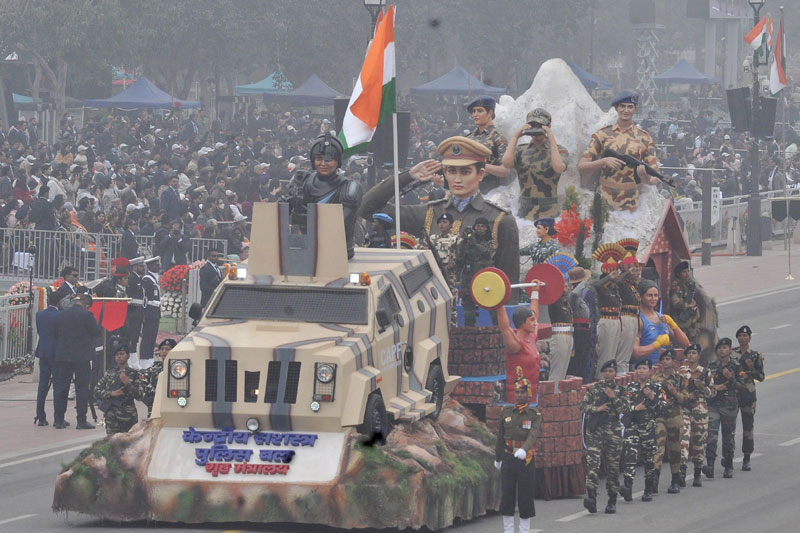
[395, 167]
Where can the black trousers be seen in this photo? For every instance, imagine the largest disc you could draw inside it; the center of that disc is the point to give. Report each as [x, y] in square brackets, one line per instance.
[133, 326]
[152, 317]
[63, 372]
[45, 373]
[518, 483]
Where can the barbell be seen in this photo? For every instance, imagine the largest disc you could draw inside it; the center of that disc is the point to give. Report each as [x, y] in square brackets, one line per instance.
[491, 288]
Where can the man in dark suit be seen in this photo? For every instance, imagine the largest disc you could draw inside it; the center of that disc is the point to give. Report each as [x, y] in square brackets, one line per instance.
[46, 352]
[210, 275]
[69, 288]
[190, 129]
[129, 245]
[170, 200]
[174, 247]
[75, 332]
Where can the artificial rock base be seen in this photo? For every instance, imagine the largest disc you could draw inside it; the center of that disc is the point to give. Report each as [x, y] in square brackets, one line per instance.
[426, 475]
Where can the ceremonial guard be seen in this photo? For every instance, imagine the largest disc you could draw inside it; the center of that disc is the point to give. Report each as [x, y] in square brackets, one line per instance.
[152, 311]
[546, 246]
[643, 401]
[539, 166]
[445, 244]
[584, 334]
[602, 406]
[117, 389]
[482, 111]
[699, 387]
[520, 427]
[683, 300]
[463, 160]
[619, 184]
[608, 303]
[751, 364]
[475, 252]
[135, 316]
[669, 424]
[114, 286]
[629, 302]
[723, 409]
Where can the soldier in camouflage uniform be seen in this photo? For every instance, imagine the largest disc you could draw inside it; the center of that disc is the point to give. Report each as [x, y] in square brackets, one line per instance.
[520, 427]
[445, 243]
[482, 111]
[751, 370]
[723, 409]
[152, 373]
[539, 166]
[669, 425]
[602, 406]
[699, 387]
[117, 389]
[619, 184]
[547, 245]
[475, 252]
[644, 400]
[683, 305]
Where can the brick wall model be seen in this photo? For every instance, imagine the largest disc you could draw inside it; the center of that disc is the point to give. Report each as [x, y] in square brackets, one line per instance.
[476, 351]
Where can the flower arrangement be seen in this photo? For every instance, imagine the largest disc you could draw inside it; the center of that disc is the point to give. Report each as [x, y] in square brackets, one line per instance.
[171, 304]
[22, 288]
[570, 225]
[172, 279]
[171, 283]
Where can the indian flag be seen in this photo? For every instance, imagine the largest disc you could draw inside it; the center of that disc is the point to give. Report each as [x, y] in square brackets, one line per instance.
[777, 68]
[373, 97]
[760, 37]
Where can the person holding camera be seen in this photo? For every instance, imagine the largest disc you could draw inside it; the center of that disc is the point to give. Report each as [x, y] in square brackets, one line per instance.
[539, 166]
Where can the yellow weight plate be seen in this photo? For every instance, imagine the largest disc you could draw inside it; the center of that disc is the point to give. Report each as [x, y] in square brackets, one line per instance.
[489, 289]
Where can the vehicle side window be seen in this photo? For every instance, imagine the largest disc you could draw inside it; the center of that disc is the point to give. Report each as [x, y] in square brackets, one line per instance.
[388, 301]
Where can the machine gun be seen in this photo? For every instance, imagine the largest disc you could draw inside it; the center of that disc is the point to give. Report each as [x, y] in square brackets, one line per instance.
[632, 162]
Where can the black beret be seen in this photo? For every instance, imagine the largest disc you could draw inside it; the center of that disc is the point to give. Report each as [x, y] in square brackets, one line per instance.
[724, 341]
[445, 216]
[696, 347]
[641, 362]
[744, 329]
[667, 352]
[609, 364]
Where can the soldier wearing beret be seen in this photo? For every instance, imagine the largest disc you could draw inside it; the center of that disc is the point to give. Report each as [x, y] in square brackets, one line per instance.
[482, 111]
[119, 387]
[723, 409]
[463, 160]
[602, 406]
[539, 166]
[547, 245]
[520, 427]
[619, 185]
[751, 370]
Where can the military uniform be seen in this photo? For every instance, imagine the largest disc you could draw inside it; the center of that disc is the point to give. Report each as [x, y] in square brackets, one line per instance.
[630, 302]
[618, 187]
[151, 377]
[135, 317]
[603, 433]
[747, 393]
[446, 247]
[640, 432]
[561, 342]
[608, 324]
[541, 250]
[474, 253]
[120, 411]
[669, 425]
[583, 346]
[497, 144]
[722, 411]
[152, 317]
[682, 297]
[538, 182]
[695, 416]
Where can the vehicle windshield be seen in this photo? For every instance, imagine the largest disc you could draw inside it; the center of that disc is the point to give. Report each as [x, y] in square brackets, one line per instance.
[293, 304]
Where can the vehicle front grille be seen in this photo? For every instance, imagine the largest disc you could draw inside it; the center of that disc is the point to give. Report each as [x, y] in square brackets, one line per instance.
[273, 380]
[292, 380]
[212, 374]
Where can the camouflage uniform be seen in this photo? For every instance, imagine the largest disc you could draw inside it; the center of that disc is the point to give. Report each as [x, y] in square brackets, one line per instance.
[151, 375]
[603, 433]
[723, 410]
[695, 413]
[538, 182]
[474, 253]
[446, 246]
[681, 294]
[541, 250]
[747, 394]
[640, 428]
[497, 144]
[120, 411]
[669, 425]
[619, 188]
[519, 428]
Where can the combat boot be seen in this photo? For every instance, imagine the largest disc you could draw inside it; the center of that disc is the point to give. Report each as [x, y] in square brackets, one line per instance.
[709, 471]
[648, 490]
[697, 474]
[674, 487]
[590, 501]
[656, 479]
[682, 479]
[627, 490]
[611, 506]
[745, 460]
[728, 473]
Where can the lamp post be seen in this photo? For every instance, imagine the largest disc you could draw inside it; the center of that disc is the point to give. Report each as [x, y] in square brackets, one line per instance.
[374, 7]
[754, 202]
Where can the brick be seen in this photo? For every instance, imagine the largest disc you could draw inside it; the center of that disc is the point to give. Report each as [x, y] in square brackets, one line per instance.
[574, 427]
[549, 415]
[549, 400]
[573, 397]
[564, 385]
[551, 430]
[546, 387]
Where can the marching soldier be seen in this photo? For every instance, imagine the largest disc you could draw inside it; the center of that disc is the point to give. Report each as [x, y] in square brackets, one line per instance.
[520, 427]
[699, 387]
[152, 311]
[682, 299]
[723, 409]
[482, 111]
[644, 400]
[135, 316]
[603, 404]
[669, 425]
[117, 389]
[751, 364]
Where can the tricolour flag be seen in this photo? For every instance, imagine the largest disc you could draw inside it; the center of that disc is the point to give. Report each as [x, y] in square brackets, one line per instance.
[760, 37]
[777, 68]
[373, 97]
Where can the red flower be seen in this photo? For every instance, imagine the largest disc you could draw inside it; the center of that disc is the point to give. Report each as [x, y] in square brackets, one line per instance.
[569, 226]
[172, 279]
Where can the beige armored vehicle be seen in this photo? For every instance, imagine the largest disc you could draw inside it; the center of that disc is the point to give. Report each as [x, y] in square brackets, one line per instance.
[305, 341]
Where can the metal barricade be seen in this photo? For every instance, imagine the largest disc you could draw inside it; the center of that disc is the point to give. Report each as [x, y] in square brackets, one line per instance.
[14, 316]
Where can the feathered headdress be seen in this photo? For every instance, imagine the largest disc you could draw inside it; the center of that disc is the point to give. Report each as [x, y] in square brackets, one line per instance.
[562, 261]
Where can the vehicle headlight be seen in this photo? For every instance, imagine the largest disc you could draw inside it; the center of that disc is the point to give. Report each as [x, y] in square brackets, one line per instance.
[252, 424]
[325, 373]
[178, 368]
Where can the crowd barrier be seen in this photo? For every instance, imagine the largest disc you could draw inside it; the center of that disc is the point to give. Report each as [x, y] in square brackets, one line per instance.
[14, 317]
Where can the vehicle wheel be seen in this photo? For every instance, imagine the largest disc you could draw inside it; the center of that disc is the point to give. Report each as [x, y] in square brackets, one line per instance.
[435, 384]
[376, 421]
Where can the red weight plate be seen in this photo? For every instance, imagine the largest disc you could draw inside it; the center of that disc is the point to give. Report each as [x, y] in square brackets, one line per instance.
[553, 282]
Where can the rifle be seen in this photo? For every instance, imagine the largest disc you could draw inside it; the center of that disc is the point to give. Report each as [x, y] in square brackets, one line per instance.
[632, 162]
[692, 387]
[595, 419]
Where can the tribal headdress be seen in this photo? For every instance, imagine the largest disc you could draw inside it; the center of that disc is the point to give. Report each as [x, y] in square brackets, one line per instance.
[609, 256]
[563, 262]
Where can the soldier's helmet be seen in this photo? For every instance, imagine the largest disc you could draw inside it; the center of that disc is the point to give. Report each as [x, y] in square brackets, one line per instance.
[328, 146]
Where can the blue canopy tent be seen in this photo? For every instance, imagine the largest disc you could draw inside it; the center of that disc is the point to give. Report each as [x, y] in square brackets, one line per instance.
[141, 95]
[457, 82]
[683, 72]
[271, 84]
[590, 81]
[312, 92]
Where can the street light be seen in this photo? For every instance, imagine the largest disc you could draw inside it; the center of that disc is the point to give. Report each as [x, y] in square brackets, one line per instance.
[374, 7]
[754, 202]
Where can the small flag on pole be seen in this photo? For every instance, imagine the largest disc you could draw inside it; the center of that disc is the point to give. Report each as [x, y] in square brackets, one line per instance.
[760, 37]
[374, 97]
[777, 68]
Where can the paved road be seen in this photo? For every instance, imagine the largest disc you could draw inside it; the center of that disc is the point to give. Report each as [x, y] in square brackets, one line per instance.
[762, 500]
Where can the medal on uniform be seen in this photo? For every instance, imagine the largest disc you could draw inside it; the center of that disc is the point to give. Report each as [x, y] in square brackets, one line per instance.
[526, 424]
[508, 419]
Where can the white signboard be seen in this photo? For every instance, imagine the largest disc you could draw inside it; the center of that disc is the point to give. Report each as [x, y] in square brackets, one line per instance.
[716, 202]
